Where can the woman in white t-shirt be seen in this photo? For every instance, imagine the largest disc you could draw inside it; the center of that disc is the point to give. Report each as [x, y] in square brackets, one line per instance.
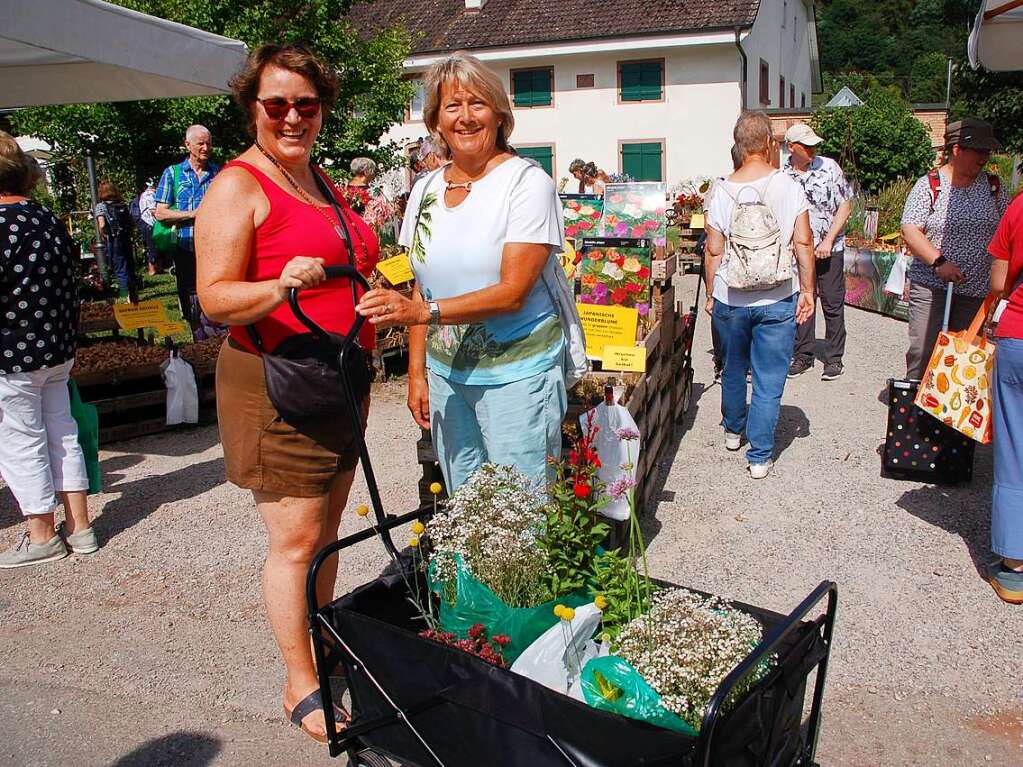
[486, 349]
[757, 328]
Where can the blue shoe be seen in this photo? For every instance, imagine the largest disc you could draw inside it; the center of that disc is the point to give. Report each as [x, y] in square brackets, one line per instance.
[1008, 584]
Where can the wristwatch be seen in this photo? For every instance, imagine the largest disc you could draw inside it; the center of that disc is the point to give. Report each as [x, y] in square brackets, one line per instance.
[939, 261]
[434, 308]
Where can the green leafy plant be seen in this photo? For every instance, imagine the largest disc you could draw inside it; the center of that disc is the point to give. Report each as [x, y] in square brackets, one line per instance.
[573, 528]
[625, 595]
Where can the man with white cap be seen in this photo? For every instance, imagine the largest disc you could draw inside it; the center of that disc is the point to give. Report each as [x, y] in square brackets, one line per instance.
[830, 200]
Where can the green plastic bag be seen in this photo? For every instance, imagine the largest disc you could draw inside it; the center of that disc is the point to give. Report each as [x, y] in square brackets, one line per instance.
[612, 684]
[87, 418]
[165, 236]
[476, 603]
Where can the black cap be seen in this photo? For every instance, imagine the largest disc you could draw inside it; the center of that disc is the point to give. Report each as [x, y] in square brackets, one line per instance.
[971, 133]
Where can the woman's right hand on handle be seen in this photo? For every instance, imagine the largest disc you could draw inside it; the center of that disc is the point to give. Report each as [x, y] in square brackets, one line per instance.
[300, 272]
[419, 400]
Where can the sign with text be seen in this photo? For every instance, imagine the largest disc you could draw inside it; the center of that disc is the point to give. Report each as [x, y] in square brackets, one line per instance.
[396, 270]
[697, 221]
[625, 358]
[169, 328]
[145, 314]
[607, 325]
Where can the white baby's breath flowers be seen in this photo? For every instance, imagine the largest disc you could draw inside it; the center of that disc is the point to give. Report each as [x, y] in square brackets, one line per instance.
[492, 521]
[685, 645]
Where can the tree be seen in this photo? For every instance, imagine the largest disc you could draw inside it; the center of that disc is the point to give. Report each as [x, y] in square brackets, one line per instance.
[133, 140]
[877, 143]
[993, 96]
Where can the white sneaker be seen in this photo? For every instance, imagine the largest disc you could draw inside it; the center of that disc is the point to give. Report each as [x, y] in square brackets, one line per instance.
[732, 441]
[760, 470]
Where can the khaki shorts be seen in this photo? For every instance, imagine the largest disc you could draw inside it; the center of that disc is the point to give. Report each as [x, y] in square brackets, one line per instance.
[261, 451]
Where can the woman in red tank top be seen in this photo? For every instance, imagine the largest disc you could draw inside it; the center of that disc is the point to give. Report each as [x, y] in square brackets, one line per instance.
[264, 228]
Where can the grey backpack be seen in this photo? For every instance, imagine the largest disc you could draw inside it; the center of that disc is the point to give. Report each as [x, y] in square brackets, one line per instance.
[757, 258]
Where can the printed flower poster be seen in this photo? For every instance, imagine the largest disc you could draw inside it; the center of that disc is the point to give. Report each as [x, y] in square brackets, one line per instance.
[635, 210]
[616, 272]
[582, 214]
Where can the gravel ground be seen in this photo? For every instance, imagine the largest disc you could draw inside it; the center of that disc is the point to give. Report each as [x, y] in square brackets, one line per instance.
[155, 650]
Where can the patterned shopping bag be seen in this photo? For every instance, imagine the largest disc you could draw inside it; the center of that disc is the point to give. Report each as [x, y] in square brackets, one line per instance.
[956, 388]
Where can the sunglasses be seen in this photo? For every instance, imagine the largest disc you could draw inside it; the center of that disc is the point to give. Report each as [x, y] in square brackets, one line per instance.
[278, 108]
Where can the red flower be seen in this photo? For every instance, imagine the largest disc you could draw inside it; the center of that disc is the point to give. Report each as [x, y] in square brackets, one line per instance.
[634, 287]
[639, 231]
[618, 295]
[619, 260]
[501, 639]
[477, 631]
[582, 490]
[643, 273]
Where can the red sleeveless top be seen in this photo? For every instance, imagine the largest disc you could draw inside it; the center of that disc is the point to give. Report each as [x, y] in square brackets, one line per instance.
[295, 228]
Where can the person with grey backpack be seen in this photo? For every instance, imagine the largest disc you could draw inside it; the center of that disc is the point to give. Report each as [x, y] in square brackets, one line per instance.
[759, 271]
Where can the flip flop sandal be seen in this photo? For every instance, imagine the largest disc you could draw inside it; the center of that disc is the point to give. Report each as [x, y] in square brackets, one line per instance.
[309, 704]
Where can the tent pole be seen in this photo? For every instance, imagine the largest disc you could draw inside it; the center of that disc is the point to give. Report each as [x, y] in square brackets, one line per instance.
[101, 256]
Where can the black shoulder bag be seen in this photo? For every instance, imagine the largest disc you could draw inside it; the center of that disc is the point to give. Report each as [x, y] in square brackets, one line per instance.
[304, 376]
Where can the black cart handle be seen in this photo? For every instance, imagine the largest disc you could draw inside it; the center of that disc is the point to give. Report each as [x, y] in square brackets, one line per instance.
[333, 273]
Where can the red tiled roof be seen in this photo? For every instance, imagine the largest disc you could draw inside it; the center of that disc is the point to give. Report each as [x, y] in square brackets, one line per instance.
[446, 25]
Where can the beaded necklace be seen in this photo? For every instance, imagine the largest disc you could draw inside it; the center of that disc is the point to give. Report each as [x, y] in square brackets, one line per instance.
[309, 199]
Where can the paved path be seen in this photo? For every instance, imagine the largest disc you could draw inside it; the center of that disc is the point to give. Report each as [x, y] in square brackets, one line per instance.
[155, 650]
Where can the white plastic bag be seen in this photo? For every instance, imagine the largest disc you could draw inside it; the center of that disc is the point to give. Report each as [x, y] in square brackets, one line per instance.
[896, 282]
[557, 657]
[615, 453]
[182, 391]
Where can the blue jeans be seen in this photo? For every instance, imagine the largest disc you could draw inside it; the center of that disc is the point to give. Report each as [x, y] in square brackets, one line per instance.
[1007, 426]
[514, 424]
[757, 338]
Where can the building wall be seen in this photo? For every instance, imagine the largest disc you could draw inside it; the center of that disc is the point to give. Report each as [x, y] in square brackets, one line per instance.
[781, 38]
[694, 119]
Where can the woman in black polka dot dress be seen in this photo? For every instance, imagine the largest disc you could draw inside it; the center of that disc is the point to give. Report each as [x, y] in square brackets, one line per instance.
[40, 458]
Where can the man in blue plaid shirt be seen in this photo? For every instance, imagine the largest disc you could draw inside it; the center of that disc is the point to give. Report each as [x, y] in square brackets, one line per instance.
[176, 202]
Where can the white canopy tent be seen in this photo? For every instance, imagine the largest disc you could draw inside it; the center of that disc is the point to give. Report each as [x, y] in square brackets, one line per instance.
[996, 42]
[88, 51]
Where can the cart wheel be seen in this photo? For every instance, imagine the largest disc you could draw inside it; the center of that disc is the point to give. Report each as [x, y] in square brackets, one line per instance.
[369, 758]
[687, 392]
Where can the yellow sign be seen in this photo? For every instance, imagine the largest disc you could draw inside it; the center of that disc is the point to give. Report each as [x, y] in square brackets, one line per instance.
[144, 314]
[169, 328]
[568, 256]
[396, 270]
[607, 325]
[697, 221]
[631, 358]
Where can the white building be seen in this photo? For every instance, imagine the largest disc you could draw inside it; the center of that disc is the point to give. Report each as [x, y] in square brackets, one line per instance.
[651, 88]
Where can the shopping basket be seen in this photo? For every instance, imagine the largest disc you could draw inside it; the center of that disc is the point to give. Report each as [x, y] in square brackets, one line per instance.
[424, 704]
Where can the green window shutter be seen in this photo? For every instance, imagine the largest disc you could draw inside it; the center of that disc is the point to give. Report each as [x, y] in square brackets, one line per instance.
[642, 161]
[641, 81]
[542, 154]
[532, 88]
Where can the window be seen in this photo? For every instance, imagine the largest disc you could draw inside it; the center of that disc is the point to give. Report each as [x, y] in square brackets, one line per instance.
[415, 108]
[781, 92]
[532, 87]
[802, 99]
[584, 81]
[644, 161]
[641, 80]
[543, 154]
[784, 12]
[792, 97]
[765, 83]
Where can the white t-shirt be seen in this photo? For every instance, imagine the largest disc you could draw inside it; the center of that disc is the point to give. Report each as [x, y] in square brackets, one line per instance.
[787, 200]
[459, 250]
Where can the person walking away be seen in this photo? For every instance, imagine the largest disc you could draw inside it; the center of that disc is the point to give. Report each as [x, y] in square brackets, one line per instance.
[1006, 249]
[364, 170]
[178, 196]
[40, 458]
[113, 219]
[830, 199]
[755, 303]
[949, 218]
[265, 228]
[142, 208]
[486, 348]
[591, 179]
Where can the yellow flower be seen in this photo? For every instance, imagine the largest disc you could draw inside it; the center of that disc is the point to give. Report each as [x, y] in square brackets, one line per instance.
[413, 541]
[567, 614]
[363, 510]
[600, 602]
[559, 610]
[436, 487]
[632, 265]
[418, 528]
